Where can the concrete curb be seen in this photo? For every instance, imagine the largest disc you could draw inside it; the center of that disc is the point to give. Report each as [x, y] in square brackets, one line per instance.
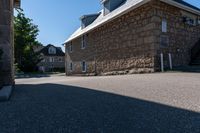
[5, 93]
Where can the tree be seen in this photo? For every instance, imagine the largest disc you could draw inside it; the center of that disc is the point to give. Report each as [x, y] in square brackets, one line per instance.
[25, 38]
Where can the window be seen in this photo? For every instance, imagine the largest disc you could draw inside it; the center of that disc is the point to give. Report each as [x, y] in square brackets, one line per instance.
[71, 48]
[51, 59]
[84, 66]
[191, 21]
[60, 59]
[164, 25]
[83, 42]
[164, 41]
[52, 50]
[71, 66]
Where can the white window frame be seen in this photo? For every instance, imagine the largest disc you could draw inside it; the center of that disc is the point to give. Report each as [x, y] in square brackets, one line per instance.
[85, 66]
[83, 42]
[164, 25]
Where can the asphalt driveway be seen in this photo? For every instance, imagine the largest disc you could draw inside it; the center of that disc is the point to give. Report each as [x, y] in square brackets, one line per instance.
[147, 103]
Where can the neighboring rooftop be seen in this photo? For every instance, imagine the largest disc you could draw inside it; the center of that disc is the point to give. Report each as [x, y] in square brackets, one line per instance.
[124, 8]
[45, 51]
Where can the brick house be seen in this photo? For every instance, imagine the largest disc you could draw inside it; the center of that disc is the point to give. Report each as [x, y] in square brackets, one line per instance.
[131, 36]
[6, 41]
[53, 58]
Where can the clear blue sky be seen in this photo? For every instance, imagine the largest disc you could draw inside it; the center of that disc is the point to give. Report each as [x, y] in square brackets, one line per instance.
[57, 19]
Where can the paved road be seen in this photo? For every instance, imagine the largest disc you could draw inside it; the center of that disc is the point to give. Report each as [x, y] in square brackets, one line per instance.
[147, 103]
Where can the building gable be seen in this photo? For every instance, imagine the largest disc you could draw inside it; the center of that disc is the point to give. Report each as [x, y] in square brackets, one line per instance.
[123, 9]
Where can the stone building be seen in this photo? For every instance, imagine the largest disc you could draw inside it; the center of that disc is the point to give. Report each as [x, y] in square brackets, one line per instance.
[53, 58]
[6, 41]
[134, 36]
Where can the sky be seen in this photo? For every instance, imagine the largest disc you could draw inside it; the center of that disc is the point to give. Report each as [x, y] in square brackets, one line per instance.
[58, 19]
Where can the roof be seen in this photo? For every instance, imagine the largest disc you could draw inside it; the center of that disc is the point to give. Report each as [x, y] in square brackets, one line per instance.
[187, 4]
[88, 15]
[37, 48]
[45, 51]
[126, 7]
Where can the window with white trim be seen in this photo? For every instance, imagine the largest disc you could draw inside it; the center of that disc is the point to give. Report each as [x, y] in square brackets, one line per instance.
[84, 66]
[83, 42]
[164, 25]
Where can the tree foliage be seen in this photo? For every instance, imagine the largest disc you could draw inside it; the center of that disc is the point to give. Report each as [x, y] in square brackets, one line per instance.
[25, 38]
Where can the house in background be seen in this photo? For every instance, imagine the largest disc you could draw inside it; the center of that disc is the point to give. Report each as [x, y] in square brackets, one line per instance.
[53, 58]
[6, 41]
[131, 36]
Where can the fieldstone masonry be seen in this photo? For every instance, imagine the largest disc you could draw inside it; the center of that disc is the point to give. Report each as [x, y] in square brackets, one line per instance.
[6, 42]
[132, 42]
[181, 36]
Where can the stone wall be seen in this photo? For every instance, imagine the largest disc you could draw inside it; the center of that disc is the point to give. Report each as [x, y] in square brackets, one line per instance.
[124, 44]
[181, 36]
[132, 42]
[6, 42]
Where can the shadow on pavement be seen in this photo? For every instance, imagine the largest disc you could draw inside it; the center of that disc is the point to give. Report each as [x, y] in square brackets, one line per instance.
[20, 76]
[189, 69]
[52, 108]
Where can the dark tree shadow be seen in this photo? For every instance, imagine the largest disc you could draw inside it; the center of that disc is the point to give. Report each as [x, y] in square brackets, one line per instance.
[52, 108]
